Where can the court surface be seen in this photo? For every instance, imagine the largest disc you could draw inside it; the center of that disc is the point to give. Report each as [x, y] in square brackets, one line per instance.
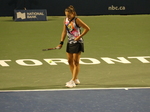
[117, 55]
[94, 100]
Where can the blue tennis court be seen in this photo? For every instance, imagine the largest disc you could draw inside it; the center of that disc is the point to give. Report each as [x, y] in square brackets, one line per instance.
[76, 100]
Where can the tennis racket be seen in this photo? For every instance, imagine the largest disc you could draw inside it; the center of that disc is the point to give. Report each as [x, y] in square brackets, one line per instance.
[51, 49]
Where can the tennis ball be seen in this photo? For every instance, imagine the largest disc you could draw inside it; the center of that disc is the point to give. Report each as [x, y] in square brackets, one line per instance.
[50, 61]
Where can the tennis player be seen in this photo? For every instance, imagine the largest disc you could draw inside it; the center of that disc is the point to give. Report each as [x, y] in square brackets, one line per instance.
[75, 46]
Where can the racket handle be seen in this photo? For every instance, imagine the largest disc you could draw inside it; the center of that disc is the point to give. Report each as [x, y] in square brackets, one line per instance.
[44, 49]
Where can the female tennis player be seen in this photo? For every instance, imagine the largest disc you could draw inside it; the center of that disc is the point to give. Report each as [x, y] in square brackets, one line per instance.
[71, 28]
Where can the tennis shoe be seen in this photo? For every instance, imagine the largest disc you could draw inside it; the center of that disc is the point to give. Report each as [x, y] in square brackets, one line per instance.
[70, 84]
[77, 81]
[67, 82]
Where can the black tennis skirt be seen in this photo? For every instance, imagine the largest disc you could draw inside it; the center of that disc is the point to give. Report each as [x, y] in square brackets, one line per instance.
[75, 48]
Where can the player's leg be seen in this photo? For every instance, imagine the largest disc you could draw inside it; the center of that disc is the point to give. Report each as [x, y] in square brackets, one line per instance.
[76, 69]
[73, 60]
[70, 61]
[71, 83]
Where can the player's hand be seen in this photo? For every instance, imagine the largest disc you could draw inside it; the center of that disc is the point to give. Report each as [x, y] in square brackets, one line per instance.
[59, 46]
[77, 38]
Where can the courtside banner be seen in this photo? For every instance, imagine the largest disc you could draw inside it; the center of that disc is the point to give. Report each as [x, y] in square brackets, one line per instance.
[30, 15]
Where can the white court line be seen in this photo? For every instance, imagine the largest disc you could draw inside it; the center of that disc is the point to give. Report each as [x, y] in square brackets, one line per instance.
[75, 89]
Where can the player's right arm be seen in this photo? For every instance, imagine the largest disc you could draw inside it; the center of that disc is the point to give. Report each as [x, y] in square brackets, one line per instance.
[64, 33]
[63, 36]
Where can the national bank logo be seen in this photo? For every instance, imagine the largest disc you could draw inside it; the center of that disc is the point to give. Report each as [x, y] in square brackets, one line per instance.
[30, 15]
[21, 15]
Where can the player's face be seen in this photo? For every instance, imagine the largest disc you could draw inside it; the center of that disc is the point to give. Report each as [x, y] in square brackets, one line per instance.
[69, 15]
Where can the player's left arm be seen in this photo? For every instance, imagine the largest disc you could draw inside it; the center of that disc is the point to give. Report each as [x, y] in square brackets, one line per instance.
[85, 27]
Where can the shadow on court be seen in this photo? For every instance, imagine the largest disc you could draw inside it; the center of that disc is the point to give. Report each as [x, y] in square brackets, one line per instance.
[100, 100]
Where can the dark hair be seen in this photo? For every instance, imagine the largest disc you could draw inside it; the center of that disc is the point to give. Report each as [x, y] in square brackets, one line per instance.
[71, 9]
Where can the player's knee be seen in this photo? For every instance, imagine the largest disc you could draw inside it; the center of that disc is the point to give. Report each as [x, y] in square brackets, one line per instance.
[76, 62]
[70, 61]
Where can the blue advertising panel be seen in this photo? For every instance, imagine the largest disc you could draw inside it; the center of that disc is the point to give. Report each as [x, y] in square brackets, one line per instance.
[30, 15]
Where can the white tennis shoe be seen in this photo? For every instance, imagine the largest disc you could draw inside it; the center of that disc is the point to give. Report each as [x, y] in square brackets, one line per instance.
[70, 84]
[77, 81]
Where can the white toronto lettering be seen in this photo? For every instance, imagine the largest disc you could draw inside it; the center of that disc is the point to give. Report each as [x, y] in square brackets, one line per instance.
[111, 61]
[33, 62]
[92, 61]
[3, 63]
[141, 58]
[54, 61]
[83, 61]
